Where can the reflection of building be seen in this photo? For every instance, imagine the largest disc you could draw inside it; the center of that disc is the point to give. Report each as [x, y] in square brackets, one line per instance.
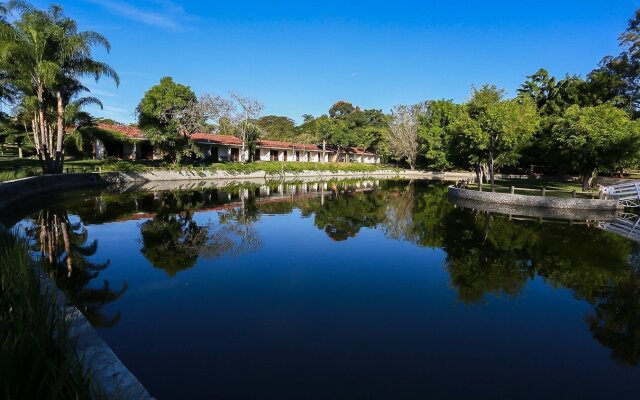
[129, 143]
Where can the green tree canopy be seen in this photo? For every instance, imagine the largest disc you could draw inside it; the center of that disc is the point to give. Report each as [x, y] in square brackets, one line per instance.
[493, 130]
[434, 133]
[155, 116]
[595, 139]
[340, 109]
[276, 127]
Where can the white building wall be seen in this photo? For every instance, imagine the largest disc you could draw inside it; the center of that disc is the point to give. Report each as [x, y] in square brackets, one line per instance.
[129, 151]
[100, 150]
[265, 154]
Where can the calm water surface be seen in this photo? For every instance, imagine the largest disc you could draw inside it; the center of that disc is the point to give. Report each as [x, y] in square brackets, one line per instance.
[374, 290]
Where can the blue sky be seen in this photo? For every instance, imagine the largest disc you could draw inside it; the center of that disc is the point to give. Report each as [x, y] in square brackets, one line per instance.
[301, 56]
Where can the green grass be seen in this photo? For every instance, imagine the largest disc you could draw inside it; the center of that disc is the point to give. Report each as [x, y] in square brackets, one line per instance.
[15, 168]
[37, 359]
[276, 167]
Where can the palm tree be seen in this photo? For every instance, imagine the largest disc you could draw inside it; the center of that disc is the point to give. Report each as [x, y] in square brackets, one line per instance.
[76, 61]
[46, 57]
[29, 44]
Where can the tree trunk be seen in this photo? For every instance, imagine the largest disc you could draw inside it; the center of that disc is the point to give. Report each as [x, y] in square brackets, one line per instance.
[44, 137]
[324, 151]
[67, 248]
[59, 158]
[586, 180]
[491, 172]
[19, 151]
[479, 177]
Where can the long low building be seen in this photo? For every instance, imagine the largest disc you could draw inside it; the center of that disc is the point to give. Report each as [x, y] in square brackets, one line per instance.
[129, 143]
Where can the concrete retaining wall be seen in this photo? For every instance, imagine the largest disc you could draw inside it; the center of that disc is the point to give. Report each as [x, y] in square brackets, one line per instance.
[21, 189]
[534, 201]
[195, 174]
[97, 357]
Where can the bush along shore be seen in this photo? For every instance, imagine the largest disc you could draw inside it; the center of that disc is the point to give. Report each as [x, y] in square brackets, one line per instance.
[26, 168]
[38, 358]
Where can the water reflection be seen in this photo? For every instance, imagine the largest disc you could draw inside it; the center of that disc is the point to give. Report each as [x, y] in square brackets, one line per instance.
[65, 248]
[487, 255]
[173, 241]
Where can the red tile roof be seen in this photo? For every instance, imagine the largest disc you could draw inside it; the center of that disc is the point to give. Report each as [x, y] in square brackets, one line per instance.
[135, 133]
[130, 131]
[361, 151]
[216, 139]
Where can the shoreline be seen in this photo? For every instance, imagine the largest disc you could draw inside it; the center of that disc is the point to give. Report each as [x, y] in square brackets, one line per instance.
[12, 192]
[520, 200]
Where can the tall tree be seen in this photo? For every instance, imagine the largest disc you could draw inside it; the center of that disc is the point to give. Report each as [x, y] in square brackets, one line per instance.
[277, 127]
[159, 114]
[247, 110]
[434, 133]
[496, 129]
[403, 137]
[44, 56]
[617, 78]
[593, 139]
[76, 61]
[341, 108]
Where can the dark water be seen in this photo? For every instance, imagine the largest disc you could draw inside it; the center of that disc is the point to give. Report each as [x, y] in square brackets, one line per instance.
[375, 291]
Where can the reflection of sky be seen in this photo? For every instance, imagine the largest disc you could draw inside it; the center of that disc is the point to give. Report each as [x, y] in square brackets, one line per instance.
[309, 313]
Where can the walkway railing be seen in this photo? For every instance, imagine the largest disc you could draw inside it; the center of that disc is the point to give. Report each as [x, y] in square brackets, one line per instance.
[627, 194]
[625, 224]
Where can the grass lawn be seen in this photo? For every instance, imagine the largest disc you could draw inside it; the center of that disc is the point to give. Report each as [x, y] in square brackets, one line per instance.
[15, 168]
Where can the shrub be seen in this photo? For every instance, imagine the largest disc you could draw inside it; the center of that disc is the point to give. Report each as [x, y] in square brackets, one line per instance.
[37, 355]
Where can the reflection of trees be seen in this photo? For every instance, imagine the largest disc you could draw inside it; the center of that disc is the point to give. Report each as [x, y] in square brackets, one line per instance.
[173, 241]
[399, 212]
[615, 321]
[65, 249]
[415, 212]
[345, 213]
[238, 223]
[489, 254]
[486, 256]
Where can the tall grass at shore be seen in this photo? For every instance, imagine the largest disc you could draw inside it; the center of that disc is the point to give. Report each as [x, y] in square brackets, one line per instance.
[37, 355]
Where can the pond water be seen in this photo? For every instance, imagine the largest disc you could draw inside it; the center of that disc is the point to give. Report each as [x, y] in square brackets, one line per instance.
[373, 289]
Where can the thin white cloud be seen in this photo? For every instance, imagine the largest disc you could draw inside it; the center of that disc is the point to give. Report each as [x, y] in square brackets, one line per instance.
[115, 110]
[100, 92]
[165, 14]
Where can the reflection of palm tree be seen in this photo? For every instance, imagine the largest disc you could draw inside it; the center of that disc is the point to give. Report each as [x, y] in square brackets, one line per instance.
[64, 248]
